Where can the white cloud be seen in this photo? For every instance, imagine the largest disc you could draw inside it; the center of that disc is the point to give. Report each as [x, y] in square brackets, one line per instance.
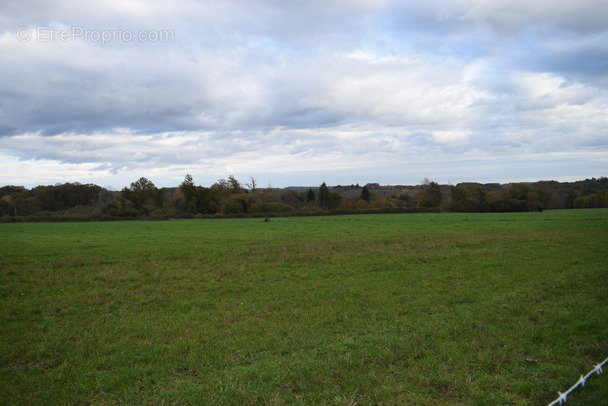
[443, 137]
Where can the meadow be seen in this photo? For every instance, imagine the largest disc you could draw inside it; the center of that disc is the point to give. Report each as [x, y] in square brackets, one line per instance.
[393, 309]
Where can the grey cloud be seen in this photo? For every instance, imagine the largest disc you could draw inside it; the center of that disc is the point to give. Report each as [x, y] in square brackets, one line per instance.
[512, 17]
[272, 83]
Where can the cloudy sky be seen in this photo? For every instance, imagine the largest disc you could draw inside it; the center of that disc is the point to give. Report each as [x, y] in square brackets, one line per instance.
[301, 92]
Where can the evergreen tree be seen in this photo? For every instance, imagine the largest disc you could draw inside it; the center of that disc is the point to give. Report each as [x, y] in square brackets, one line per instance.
[324, 198]
[365, 195]
[310, 196]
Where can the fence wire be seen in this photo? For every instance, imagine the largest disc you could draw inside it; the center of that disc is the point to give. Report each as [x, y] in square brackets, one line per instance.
[563, 397]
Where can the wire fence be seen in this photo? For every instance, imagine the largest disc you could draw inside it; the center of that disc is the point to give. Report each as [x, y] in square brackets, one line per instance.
[563, 397]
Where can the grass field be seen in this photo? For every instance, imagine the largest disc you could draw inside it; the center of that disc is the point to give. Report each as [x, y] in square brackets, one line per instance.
[404, 309]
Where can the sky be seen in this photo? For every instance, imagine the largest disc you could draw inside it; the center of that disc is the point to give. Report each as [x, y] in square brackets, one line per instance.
[296, 93]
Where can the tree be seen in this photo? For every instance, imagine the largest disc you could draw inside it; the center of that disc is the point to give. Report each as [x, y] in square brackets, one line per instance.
[5, 204]
[546, 196]
[234, 184]
[221, 185]
[293, 199]
[525, 194]
[365, 195]
[460, 200]
[334, 200]
[142, 184]
[236, 203]
[430, 195]
[324, 198]
[188, 181]
[207, 200]
[66, 196]
[253, 185]
[310, 196]
[482, 203]
[142, 193]
[571, 197]
[518, 197]
[405, 200]
[189, 191]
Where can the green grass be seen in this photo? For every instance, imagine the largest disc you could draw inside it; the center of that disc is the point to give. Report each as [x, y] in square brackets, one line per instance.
[406, 309]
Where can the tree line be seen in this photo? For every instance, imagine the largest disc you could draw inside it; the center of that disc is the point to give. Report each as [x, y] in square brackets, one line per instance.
[229, 198]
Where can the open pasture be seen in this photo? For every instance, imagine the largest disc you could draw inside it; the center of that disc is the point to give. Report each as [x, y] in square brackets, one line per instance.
[404, 309]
